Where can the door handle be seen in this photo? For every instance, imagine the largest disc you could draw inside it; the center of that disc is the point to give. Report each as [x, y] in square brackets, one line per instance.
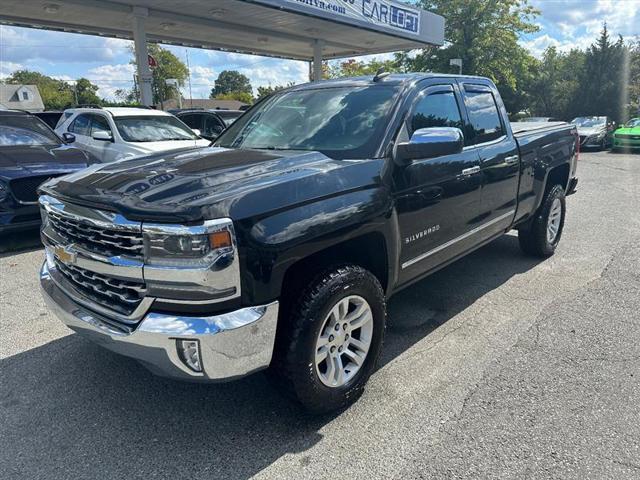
[471, 171]
[512, 160]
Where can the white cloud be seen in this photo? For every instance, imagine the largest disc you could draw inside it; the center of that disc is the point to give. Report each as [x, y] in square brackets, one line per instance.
[24, 45]
[110, 78]
[569, 16]
[279, 73]
[7, 68]
[202, 81]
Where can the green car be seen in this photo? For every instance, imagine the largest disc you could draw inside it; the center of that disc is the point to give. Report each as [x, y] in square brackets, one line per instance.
[628, 136]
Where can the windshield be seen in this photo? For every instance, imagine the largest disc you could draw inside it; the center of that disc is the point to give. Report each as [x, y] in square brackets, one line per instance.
[25, 130]
[153, 129]
[589, 121]
[634, 122]
[341, 122]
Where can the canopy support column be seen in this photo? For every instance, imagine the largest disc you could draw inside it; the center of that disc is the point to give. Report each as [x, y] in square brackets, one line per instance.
[317, 60]
[145, 78]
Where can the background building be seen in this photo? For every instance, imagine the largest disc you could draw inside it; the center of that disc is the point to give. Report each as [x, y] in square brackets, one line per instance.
[21, 97]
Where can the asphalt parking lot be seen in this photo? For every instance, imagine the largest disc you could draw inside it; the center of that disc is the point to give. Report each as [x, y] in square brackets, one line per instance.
[499, 366]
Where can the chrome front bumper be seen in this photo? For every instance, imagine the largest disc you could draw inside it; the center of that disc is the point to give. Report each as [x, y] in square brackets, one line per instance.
[232, 344]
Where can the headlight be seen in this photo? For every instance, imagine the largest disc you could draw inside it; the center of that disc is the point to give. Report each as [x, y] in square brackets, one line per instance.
[4, 191]
[181, 246]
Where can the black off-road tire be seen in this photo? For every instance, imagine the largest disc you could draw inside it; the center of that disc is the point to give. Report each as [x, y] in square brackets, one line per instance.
[293, 366]
[533, 237]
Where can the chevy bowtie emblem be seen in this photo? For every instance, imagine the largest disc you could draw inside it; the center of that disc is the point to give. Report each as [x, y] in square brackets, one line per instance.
[65, 256]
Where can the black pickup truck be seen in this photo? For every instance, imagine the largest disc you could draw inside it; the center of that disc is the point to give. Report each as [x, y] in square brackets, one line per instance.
[277, 247]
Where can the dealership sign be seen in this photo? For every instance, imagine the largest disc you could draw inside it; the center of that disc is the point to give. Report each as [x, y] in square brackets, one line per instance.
[380, 13]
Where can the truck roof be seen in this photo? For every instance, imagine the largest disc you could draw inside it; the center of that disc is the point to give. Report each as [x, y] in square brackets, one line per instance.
[391, 79]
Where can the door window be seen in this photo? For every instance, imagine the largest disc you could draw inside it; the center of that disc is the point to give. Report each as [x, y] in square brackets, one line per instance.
[81, 125]
[192, 121]
[212, 126]
[484, 117]
[99, 124]
[436, 110]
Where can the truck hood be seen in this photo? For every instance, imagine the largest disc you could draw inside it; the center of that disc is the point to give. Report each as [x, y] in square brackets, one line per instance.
[26, 160]
[190, 186]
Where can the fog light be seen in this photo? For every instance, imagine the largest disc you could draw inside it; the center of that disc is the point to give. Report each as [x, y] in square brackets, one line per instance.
[189, 353]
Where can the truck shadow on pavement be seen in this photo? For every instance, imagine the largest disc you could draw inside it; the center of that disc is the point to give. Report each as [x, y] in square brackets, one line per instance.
[12, 243]
[70, 409]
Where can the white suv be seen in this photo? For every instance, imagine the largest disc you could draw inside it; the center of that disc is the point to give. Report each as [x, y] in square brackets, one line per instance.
[117, 133]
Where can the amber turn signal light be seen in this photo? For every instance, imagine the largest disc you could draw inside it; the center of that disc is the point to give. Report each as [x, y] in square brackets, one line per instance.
[220, 239]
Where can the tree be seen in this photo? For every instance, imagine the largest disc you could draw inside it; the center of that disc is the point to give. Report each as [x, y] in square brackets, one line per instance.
[169, 66]
[556, 87]
[57, 94]
[633, 97]
[86, 92]
[484, 34]
[355, 68]
[269, 90]
[243, 97]
[604, 80]
[231, 81]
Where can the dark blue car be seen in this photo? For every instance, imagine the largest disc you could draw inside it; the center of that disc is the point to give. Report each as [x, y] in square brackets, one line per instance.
[30, 154]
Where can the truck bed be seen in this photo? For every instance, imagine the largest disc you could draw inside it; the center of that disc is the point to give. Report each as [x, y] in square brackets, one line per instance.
[542, 146]
[523, 128]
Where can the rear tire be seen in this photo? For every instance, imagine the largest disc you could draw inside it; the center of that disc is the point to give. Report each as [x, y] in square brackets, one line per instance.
[315, 329]
[542, 235]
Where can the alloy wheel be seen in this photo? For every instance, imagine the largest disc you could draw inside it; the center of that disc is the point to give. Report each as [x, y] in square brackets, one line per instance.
[344, 340]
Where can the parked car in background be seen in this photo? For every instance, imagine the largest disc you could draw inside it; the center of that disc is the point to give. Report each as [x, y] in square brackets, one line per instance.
[30, 154]
[116, 133]
[595, 132]
[229, 116]
[279, 245]
[208, 122]
[627, 137]
[539, 119]
[49, 117]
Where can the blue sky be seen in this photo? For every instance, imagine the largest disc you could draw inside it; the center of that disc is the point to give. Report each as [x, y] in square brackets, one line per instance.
[563, 23]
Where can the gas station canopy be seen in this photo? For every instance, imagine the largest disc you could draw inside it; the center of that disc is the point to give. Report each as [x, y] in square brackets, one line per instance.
[292, 29]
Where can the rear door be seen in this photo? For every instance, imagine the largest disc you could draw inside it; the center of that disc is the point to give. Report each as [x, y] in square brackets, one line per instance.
[436, 198]
[491, 137]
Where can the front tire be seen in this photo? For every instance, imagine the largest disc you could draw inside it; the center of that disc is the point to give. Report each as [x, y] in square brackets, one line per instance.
[541, 237]
[329, 346]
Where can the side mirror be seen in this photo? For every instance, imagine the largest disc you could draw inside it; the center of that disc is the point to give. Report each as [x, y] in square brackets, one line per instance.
[68, 137]
[197, 131]
[430, 143]
[103, 136]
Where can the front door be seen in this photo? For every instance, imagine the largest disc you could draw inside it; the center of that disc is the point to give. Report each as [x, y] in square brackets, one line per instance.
[103, 149]
[437, 199]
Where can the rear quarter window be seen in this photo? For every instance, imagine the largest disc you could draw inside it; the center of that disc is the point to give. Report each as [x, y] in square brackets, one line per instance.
[486, 124]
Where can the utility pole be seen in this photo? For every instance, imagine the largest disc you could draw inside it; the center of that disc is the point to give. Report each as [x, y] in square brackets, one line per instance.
[456, 62]
[189, 72]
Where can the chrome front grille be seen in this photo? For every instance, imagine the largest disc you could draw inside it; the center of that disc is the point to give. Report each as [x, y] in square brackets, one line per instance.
[97, 238]
[120, 296]
[96, 257]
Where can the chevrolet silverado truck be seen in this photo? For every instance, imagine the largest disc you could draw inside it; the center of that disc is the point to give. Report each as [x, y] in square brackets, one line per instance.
[277, 247]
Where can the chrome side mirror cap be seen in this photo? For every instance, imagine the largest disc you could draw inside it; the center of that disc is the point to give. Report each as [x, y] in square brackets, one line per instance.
[429, 143]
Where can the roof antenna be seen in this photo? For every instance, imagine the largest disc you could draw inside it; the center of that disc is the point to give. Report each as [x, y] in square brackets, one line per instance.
[380, 74]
